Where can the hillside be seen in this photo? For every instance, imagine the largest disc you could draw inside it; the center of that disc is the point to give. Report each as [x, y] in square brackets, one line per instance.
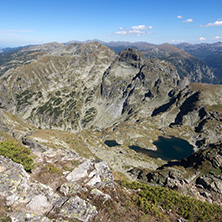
[79, 124]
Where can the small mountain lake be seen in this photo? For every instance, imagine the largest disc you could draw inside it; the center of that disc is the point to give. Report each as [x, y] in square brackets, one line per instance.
[111, 143]
[172, 148]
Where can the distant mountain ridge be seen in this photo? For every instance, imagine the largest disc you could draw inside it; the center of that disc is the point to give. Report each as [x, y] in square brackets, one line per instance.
[187, 65]
[211, 54]
[199, 63]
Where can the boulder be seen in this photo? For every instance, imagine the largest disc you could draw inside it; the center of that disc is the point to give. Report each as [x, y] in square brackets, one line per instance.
[77, 208]
[71, 188]
[210, 182]
[100, 194]
[80, 172]
[29, 217]
[93, 173]
[39, 204]
[21, 193]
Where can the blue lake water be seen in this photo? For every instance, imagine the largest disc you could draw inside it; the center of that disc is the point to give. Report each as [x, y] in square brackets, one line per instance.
[111, 143]
[172, 148]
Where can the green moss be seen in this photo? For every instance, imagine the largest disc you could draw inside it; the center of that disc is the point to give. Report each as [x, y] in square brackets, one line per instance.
[56, 112]
[75, 162]
[43, 108]
[18, 153]
[39, 94]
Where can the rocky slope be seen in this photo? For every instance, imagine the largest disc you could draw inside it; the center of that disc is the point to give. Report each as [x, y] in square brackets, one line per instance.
[16, 57]
[66, 103]
[59, 86]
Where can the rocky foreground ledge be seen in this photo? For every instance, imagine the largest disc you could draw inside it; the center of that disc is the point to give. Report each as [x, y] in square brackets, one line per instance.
[30, 200]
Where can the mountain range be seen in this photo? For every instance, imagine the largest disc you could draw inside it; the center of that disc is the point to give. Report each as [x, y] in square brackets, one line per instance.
[84, 117]
[211, 54]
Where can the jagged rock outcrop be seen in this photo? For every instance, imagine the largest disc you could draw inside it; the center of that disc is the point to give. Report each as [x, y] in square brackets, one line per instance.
[30, 217]
[21, 194]
[31, 200]
[132, 82]
[93, 173]
[75, 208]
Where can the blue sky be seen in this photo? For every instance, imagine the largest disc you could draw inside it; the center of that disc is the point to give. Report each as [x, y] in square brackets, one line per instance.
[25, 22]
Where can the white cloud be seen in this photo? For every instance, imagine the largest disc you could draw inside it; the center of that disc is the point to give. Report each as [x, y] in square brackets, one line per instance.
[180, 17]
[188, 21]
[218, 37]
[202, 39]
[138, 30]
[217, 23]
[141, 27]
[121, 33]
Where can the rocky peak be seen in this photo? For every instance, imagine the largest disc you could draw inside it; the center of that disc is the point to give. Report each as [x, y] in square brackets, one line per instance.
[131, 56]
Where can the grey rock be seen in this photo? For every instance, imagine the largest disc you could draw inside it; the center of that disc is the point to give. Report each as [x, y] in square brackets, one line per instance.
[210, 182]
[32, 144]
[80, 172]
[93, 173]
[39, 205]
[71, 188]
[100, 194]
[29, 217]
[77, 208]
[20, 192]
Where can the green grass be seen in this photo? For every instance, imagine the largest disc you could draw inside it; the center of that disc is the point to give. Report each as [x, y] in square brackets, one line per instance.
[17, 153]
[150, 198]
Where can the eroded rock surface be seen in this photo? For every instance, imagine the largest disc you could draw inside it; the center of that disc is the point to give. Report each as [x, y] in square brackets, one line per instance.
[32, 200]
[93, 174]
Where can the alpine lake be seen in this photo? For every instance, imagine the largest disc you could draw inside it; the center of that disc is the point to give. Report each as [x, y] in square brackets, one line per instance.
[168, 148]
